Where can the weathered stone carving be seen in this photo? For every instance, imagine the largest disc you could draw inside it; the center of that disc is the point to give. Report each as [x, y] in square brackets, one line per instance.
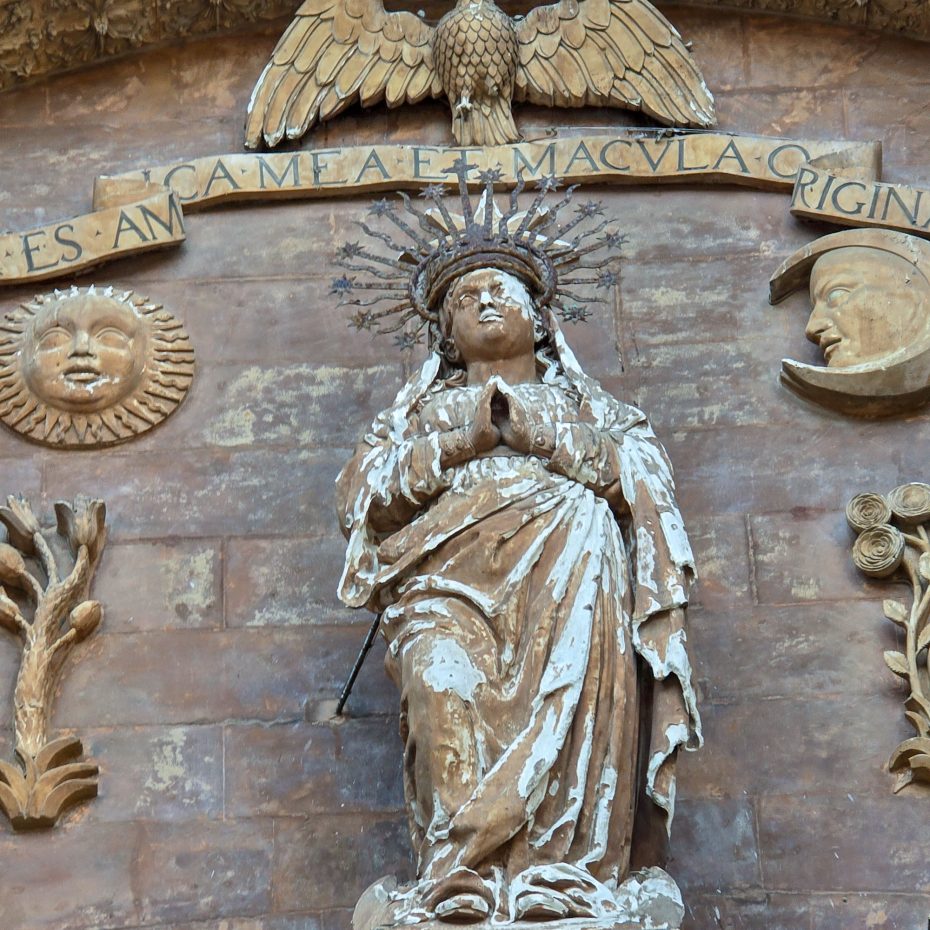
[41, 38]
[893, 539]
[45, 578]
[615, 53]
[871, 317]
[91, 367]
[517, 529]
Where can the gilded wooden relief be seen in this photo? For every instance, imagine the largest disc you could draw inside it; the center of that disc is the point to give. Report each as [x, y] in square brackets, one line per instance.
[870, 296]
[516, 528]
[45, 577]
[614, 53]
[43, 37]
[894, 541]
[91, 367]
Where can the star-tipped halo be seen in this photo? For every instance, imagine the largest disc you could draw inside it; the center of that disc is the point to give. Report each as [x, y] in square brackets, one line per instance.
[438, 244]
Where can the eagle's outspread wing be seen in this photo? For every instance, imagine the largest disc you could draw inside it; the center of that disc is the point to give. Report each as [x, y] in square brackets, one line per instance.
[334, 53]
[618, 53]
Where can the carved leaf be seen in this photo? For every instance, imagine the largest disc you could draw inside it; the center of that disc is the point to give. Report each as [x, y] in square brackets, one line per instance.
[11, 775]
[12, 566]
[63, 773]
[895, 611]
[896, 662]
[67, 795]
[920, 763]
[917, 745]
[20, 522]
[57, 752]
[923, 566]
[10, 617]
[923, 640]
[917, 721]
[903, 780]
[10, 803]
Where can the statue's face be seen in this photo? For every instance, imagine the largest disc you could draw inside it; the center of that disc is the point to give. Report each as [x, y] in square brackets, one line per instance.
[84, 353]
[866, 304]
[492, 316]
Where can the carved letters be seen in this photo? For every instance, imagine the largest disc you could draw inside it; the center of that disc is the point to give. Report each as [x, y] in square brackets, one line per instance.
[152, 221]
[136, 214]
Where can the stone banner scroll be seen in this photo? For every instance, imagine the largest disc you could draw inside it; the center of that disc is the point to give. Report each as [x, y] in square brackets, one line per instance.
[150, 219]
[849, 197]
[625, 157]
[143, 210]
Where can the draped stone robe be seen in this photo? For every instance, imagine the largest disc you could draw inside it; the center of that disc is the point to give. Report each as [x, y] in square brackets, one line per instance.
[517, 593]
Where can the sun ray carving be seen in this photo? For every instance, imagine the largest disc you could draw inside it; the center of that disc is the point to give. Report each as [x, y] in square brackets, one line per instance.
[91, 366]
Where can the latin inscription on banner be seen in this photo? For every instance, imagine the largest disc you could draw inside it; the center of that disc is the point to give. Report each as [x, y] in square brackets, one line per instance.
[630, 157]
[822, 195]
[68, 247]
[142, 210]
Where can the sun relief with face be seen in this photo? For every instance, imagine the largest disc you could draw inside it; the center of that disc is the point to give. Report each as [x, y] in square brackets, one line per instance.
[91, 367]
[870, 297]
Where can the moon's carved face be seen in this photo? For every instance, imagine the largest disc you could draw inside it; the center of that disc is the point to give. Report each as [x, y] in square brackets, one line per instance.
[867, 303]
[84, 353]
[489, 316]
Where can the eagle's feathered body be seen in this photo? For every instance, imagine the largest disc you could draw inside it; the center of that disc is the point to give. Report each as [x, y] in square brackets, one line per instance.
[475, 53]
[614, 53]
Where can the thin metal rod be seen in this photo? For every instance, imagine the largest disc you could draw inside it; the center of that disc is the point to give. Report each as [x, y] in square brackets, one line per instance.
[366, 648]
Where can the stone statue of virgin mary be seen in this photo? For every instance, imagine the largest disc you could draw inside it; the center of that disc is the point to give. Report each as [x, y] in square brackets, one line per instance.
[516, 528]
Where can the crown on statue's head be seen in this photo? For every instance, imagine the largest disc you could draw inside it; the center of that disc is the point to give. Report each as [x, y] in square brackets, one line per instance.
[550, 257]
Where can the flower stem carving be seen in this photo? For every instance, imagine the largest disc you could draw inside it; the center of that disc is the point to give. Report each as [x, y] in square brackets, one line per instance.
[894, 540]
[45, 577]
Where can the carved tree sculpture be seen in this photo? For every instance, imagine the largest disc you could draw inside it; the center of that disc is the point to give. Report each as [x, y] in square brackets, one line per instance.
[45, 577]
[894, 538]
[609, 53]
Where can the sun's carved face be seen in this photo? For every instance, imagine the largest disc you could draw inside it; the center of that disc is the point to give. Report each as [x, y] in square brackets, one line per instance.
[91, 367]
[84, 353]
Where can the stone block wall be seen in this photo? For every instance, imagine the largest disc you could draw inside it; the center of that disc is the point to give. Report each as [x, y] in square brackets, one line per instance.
[230, 799]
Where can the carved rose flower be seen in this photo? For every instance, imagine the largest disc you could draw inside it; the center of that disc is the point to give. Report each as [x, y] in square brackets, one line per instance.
[878, 551]
[21, 524]
[867, 510]
[910, 503]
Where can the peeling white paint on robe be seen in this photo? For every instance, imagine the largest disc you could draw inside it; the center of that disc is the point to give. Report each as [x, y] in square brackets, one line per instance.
[510, 586]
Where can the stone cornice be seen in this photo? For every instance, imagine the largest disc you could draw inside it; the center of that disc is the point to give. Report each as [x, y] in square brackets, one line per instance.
[44, 37]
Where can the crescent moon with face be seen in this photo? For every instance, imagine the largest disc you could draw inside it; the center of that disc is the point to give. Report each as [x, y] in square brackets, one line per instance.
[870, 297]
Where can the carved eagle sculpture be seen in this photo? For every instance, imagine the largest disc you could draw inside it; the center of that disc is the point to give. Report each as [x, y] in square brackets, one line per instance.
[614, 53]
